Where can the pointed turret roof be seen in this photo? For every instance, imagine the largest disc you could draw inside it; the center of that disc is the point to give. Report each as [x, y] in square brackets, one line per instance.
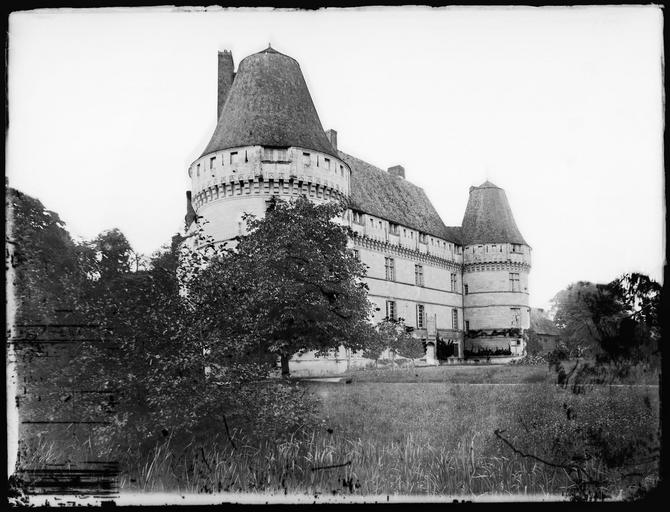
[488, 217]
[269, 104]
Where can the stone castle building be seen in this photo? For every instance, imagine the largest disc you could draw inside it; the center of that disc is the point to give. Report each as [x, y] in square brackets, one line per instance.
[461, 287]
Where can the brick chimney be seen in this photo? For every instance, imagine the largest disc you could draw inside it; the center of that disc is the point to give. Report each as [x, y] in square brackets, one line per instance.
[332, 137]
[226, 77]
[397, 170]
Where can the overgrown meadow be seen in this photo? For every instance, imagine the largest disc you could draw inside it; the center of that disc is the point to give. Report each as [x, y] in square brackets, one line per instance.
[435, 438]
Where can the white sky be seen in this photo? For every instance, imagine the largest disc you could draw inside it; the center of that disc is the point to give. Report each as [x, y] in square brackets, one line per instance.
[561, 107]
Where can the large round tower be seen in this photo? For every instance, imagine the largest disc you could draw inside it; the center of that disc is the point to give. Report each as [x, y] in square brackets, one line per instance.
[496, 263]
[268, 142]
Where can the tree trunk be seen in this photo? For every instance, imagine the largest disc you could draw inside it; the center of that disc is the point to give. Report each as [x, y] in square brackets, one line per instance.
[285, 373]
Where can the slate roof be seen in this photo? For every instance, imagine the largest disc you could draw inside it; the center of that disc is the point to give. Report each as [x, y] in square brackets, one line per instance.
[541, 323]
[488, 217]
[269, 104]
[376, 192]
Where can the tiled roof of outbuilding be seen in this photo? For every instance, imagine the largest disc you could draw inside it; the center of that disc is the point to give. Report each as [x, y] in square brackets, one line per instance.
[488, 217]
[269, 104]
[376, 192]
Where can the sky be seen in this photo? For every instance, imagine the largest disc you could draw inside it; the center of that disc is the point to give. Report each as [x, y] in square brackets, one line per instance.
[560, 106]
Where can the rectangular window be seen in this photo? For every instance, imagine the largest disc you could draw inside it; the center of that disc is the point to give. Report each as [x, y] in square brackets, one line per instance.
[516, 317]
[357, 254]
[418, 275]
[390, 310]
[211, 162]
[327, 163]
[357, 217]
[394, 229]
[198, 170]
[420, 317]
[514, 283]
[389, 266]
[306, 159]
[465, 286]
[233, 157]
[467, 325]
[423, 238]
[341, 171]
[516, 247]
[454, 318]
[453, 282]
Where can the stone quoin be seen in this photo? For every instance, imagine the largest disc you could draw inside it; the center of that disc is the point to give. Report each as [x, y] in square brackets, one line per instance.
[464, 287]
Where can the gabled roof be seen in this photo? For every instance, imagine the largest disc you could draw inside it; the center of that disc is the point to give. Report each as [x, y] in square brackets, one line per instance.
[376, 192]
[488, 217]
[269, 104]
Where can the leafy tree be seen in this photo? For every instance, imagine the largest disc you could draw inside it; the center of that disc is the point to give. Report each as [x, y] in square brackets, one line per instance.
[48, 264]
[290, 284]
[396, 337]
[614, 322]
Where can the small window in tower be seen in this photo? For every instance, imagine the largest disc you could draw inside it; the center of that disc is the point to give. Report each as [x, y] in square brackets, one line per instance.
[454, 318]
[514, 282]
[233, 157]
[246, 159]
[393, 228]
[317, 160]
[389, 267]
[390, 310]
[211, 162]
[372, 223]
[465, 286]
[327, 163]
[420, 316]
[341, 171]
[380, 224]
[306, 159]
[453, 282]
[418, 275]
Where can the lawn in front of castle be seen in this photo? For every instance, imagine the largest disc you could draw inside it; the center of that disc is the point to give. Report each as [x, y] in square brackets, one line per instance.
[424, 431]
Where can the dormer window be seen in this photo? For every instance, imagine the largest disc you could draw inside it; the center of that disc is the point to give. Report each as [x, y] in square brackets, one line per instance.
[275, 154]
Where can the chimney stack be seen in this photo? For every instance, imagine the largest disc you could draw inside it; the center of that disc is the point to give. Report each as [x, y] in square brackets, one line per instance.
[332, 137]
[226, 77]
[397, 170]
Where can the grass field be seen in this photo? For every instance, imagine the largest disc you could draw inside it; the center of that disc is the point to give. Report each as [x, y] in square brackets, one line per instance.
[387, 434]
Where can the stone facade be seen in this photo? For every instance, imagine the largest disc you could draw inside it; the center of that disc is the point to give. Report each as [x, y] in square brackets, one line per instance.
[446, 282]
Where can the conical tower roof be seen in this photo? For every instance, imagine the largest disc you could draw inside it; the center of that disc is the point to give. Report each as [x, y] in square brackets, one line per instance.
[269, 105]
[488, 218]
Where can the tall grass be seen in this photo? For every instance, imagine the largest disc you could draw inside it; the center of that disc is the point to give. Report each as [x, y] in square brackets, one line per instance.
[377, 438]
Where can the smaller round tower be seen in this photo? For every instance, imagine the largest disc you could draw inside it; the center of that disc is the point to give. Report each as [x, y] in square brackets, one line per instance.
[496, 263]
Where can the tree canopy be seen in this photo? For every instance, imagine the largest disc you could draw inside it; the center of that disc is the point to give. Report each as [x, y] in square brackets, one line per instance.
[291, 284]
[614, 321]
